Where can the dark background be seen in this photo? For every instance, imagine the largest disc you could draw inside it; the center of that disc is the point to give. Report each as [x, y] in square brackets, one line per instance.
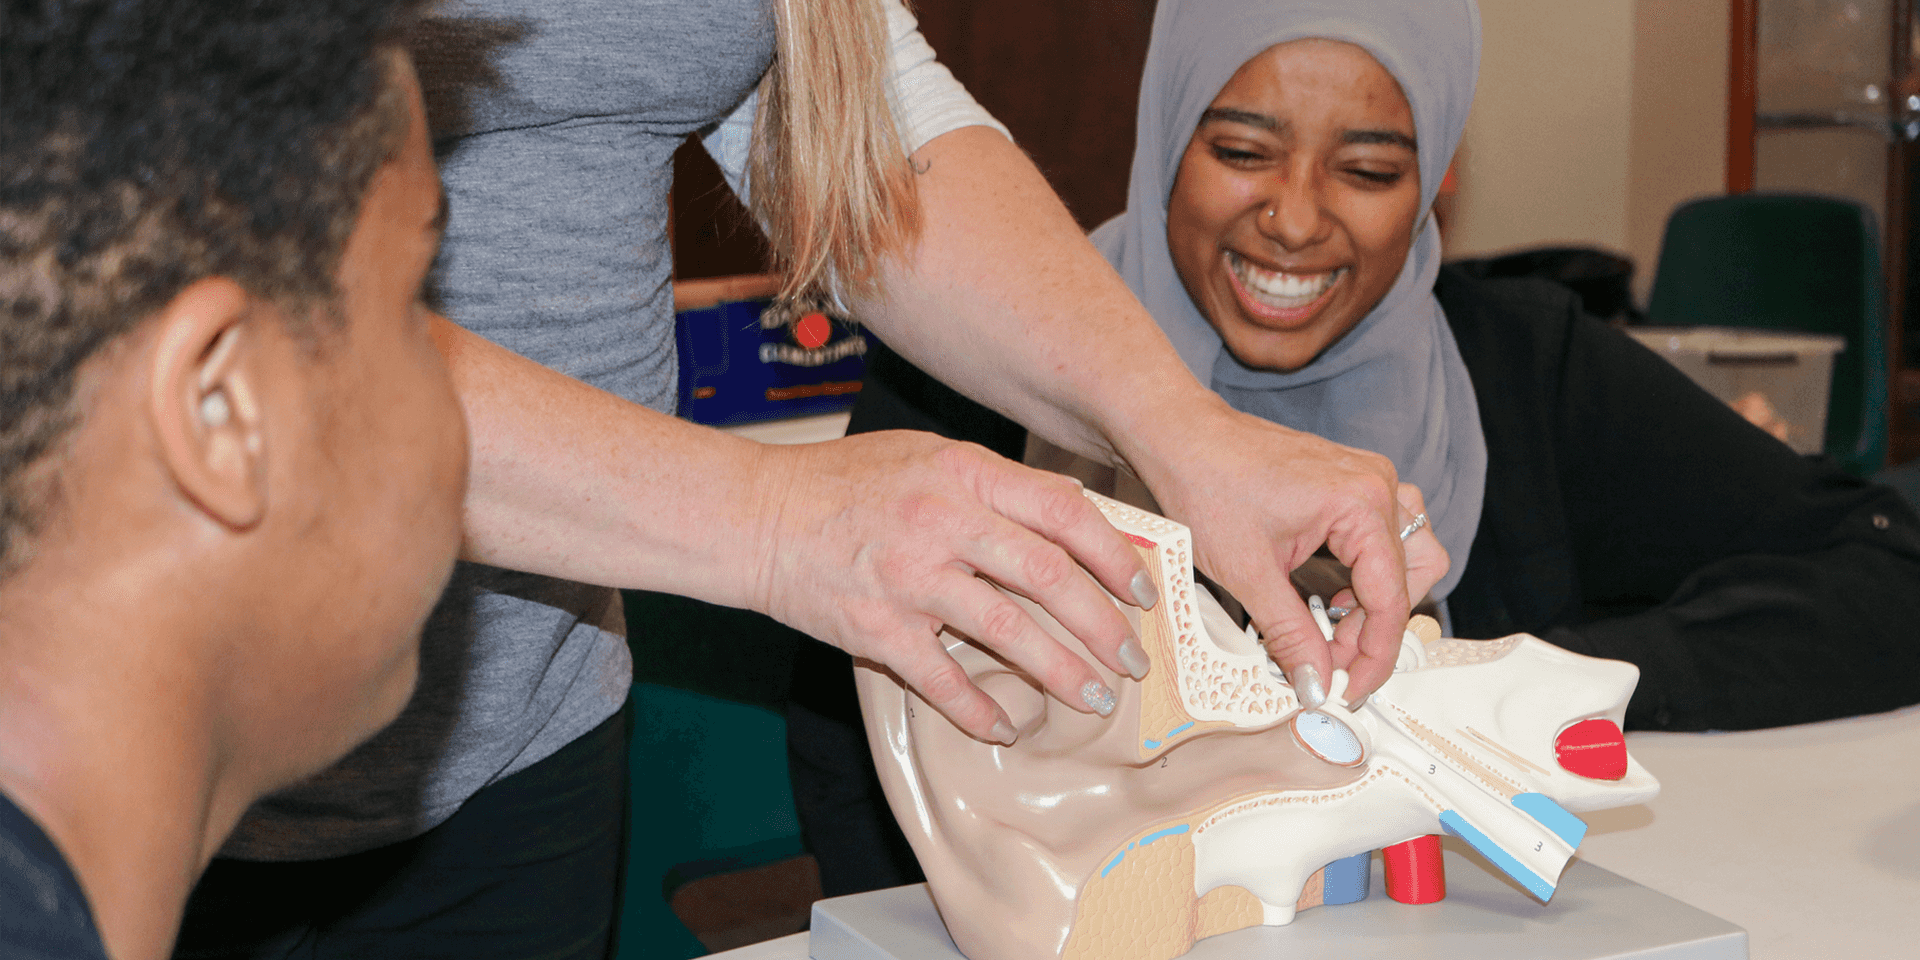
[1063, 75]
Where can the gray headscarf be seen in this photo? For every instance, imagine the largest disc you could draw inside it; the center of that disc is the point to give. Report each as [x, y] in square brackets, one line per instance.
[1395, 384]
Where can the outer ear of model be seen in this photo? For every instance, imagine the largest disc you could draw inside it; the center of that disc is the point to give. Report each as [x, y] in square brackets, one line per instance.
[1209, 800]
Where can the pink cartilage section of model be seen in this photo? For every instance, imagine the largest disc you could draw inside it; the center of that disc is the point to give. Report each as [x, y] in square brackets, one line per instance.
[1208, 801]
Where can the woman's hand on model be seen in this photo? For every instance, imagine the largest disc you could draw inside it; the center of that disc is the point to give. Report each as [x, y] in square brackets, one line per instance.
[875, 542]
[1261, 499]
[1427, 562]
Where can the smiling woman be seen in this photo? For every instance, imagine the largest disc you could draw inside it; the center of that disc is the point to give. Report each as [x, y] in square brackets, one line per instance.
[1296, 199]
[1598, 500]
[1276, 225]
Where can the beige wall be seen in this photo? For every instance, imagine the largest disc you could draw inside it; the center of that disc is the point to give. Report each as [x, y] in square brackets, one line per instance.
[1592, 120]
[1679, 122]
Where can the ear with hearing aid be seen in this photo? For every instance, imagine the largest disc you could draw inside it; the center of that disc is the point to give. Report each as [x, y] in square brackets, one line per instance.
[215, 411]
[1208, 800]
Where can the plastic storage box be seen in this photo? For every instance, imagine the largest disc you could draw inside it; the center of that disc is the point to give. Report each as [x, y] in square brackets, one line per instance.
[744, 359]
[1772, 377]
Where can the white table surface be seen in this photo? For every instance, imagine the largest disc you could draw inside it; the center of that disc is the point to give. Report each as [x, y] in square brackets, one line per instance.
[1809, 837]
[790, 947]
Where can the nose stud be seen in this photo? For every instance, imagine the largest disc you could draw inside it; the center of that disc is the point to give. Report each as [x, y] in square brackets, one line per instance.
[1269, 211]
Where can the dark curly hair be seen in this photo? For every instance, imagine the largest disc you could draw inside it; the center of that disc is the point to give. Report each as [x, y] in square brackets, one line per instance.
[148, 144]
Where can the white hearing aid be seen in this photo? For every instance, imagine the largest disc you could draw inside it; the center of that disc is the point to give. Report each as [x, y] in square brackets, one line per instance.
[215, 411]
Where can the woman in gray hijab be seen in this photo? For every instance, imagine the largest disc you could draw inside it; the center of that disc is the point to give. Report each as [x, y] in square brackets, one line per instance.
[1278, 229]
[1394, 383]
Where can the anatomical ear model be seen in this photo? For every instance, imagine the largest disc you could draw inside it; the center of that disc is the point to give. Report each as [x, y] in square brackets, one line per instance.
[1208, 801]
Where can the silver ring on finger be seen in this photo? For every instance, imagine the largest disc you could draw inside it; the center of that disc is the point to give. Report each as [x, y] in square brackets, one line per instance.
[1419, 521]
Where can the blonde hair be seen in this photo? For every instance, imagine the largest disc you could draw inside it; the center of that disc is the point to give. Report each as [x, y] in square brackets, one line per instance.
[830, 177]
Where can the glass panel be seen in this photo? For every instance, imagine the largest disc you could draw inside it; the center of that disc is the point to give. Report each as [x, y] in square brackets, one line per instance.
[1825, 98]
[1842, 161]
[1824, 58]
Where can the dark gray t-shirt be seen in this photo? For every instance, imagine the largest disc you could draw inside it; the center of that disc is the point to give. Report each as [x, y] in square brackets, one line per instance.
[557, 249]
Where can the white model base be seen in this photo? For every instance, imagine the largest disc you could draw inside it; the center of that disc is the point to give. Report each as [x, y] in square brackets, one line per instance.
[1594, 915]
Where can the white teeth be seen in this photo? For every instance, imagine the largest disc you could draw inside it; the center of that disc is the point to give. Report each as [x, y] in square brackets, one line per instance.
[1276, 289]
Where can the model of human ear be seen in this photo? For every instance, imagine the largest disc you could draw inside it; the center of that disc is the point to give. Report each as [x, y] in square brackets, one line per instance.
[1208, 801]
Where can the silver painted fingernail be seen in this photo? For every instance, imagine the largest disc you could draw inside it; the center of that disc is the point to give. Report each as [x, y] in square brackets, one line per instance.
[1145, 593]
[1004, 734]
[1307, 686]
[1338, 612]
[1099, 696]
[1134, 658]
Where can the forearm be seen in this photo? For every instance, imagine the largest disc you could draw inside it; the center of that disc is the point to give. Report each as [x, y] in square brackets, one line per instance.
[1005, 298]
[871, 544]
[571, 481]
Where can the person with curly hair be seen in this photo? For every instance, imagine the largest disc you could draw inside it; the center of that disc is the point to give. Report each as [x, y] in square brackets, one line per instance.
[220, 397]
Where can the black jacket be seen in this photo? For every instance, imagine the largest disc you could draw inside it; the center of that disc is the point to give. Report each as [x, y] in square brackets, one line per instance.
[1631, 515]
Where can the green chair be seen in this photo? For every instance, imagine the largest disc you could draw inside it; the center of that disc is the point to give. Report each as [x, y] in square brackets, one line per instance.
[1794, 262]
[707, 760]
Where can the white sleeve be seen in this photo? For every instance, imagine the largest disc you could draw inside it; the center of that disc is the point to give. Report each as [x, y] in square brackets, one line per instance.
[928, 102]
[729, 142]
[927, 99]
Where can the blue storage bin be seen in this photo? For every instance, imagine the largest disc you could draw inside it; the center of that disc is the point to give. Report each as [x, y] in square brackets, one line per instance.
[744, 359]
